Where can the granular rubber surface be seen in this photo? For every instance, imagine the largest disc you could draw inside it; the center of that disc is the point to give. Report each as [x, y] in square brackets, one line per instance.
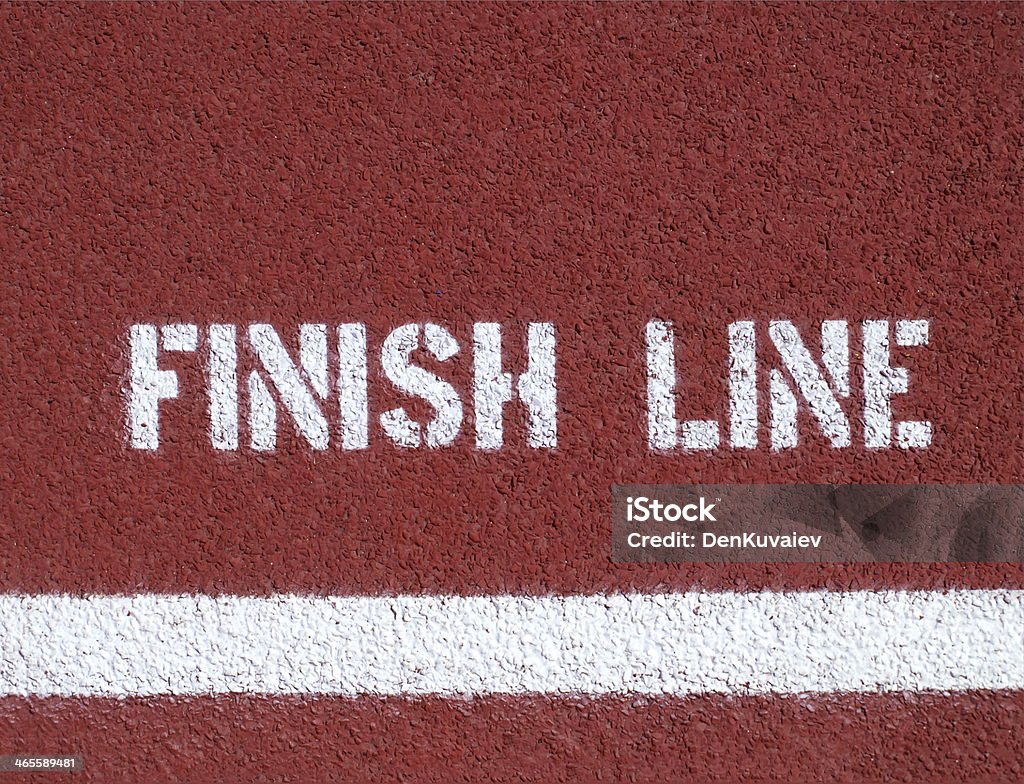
[594, 166]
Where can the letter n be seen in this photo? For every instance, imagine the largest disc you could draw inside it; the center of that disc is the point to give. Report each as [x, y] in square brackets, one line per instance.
[298, 396]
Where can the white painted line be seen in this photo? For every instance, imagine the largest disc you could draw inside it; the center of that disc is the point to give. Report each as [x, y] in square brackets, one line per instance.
[687, 643]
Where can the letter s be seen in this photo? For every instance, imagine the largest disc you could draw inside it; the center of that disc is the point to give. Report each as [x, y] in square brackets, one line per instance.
[414, 380]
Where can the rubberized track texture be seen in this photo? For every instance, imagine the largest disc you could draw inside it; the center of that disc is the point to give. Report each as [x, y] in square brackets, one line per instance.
[179, 606]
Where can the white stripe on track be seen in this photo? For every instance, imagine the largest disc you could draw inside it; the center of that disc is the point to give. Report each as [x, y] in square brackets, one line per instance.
[684, 643]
